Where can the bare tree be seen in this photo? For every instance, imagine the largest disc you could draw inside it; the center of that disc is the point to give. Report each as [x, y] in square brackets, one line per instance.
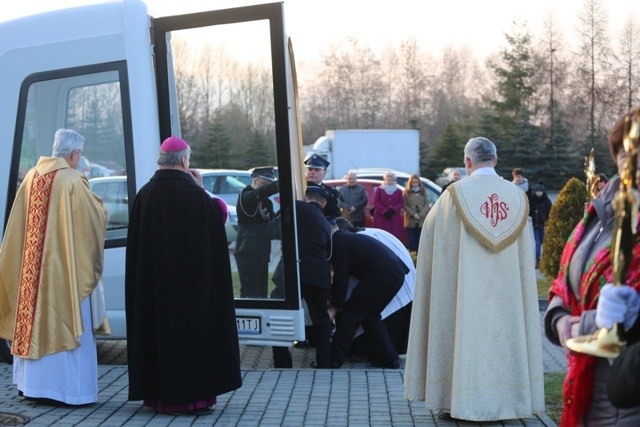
[412, 83]
[627, 67]
[389, 70]
[593, 62]
[454, 89]
[254, 94]
[189, 94]
[351, 81]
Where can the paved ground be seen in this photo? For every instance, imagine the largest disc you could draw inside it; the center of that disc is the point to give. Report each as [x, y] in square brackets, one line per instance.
[356, 395]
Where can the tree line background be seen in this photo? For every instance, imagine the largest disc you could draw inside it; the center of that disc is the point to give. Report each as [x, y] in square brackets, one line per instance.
[543, 101]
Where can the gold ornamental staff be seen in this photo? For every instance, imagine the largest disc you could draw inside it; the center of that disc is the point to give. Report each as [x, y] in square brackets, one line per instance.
[608, 342]
[590, 173]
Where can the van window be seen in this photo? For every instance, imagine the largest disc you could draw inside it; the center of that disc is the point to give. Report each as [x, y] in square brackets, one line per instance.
[91, 104]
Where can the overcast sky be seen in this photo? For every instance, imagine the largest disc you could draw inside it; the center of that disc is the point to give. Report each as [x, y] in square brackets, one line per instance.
[313, 24]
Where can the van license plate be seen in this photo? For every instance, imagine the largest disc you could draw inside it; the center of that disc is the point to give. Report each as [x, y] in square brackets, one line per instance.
[249, 325]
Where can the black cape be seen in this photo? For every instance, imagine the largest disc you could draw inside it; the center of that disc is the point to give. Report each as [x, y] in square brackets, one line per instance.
[182, 338]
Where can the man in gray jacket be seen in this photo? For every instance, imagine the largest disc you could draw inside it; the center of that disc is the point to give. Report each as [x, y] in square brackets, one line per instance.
[353, 199]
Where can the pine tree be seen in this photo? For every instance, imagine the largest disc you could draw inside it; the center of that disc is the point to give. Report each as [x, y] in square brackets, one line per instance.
[216, 150]
[449, 149]
[517, 138]
[561, 162]
[257, 152]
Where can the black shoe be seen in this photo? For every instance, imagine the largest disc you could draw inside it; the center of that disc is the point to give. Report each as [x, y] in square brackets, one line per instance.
[445, 415]
[335, 365]
[387, 365]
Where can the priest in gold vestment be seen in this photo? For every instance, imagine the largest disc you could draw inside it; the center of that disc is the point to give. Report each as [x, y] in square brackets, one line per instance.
[50, 263]
[475, 350]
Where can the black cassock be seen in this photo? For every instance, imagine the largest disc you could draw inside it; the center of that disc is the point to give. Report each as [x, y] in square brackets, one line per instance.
[182, 339]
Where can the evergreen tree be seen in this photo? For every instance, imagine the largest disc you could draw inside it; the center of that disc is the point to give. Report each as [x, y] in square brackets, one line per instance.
[449, 149]
[517, 139]
[257, 152]
[522, 148]
[561, 162]
[215, 153]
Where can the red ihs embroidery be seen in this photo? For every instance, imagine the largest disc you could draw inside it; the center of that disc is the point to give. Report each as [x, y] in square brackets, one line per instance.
[494, 210]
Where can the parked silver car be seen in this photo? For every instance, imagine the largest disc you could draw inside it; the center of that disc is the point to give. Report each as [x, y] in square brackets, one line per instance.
[225, 183]
[444, 177]
[113, 192]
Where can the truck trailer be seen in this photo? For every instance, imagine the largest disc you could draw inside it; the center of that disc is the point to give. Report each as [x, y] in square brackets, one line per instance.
[394, 149]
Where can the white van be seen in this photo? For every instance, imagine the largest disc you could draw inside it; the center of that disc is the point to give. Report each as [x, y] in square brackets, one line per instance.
[107, 71]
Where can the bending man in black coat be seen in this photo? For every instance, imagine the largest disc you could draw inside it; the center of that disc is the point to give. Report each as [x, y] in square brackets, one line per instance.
[381, 274]
[314, 248]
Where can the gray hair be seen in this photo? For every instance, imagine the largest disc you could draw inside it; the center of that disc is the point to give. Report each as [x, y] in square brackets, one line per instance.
[172, 158]
[391, 175]
[65, 142]
[349, 173]
[480, 150]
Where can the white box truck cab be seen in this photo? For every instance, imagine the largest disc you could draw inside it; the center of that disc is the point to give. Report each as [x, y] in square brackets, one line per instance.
[107, 71]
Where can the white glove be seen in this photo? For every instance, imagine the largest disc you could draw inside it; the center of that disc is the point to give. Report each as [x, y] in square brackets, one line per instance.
[617, 304]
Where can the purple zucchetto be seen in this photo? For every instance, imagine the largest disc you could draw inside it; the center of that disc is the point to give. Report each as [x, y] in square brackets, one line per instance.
[173, 143]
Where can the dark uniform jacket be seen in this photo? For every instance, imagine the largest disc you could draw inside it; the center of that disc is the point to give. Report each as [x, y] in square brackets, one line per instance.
[314, 244]
[255, 220]
[331, 209]
[363, 257]
[182, 338]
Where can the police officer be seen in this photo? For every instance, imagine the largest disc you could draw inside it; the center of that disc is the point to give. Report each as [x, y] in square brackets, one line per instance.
[253, 243]
[316, 169]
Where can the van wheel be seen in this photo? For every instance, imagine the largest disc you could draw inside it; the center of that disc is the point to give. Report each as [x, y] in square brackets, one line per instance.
[5, 351]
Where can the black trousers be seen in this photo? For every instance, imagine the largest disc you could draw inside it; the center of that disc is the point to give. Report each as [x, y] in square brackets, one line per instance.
[254, 275]
[281, 358]
[317, 299]
[364, 308]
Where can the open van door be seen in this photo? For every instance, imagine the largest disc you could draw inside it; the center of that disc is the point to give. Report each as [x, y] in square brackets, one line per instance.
[112, 72]
[256, 34]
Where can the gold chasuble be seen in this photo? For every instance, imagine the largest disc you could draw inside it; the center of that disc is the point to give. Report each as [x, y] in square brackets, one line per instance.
[475, 345]
[51, 259]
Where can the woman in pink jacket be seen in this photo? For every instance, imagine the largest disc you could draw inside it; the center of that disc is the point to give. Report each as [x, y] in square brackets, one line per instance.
[388, 202]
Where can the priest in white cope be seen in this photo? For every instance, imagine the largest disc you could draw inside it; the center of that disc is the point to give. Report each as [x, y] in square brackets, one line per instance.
[51, 302]
[475, 350]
